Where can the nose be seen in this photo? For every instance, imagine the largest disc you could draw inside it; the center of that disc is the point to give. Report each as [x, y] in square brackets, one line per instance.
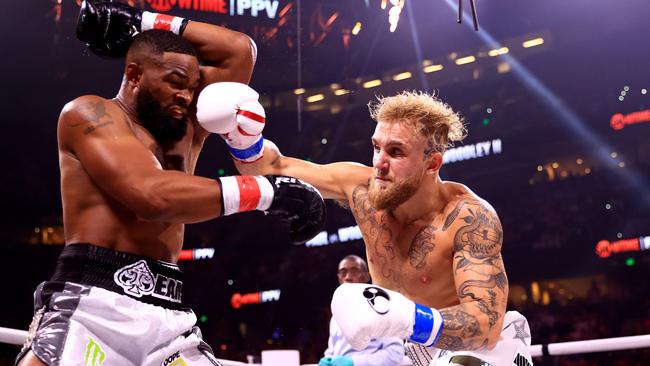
[380, 163]
[184, 98]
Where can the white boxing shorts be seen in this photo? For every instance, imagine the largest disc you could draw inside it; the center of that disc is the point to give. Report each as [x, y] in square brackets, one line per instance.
[513, 349]
[104, 307]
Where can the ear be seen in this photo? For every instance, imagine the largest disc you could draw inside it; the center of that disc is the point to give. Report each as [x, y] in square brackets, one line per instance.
[133, 74]
[434, 162]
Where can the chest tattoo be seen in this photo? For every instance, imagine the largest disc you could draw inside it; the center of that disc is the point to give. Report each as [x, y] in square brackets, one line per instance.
[376, 233]
[421, 246]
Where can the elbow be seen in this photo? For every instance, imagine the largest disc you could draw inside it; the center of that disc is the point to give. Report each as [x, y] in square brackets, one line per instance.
[151, 209]
[492, 339]
[245, 48]
[151, 205]
[494, 333]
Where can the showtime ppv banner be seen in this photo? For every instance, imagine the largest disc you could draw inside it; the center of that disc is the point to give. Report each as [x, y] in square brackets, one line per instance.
[267, 9]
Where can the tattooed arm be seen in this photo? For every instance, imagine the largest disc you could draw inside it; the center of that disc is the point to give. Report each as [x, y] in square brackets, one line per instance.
[94, 131]
[480, 277]
[334, 180]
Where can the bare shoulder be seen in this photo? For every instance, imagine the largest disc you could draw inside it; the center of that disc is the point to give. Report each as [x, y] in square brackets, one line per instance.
[87, 114]
[472, 218]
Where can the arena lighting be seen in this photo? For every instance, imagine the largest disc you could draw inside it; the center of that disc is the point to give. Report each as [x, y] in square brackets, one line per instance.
[533, 42]
[402, 76]
[605, 248]
[432, 68]
[238, 300]
[465, 60]
[299, 91]
[356, 29]
[339, 92]
[583, 133]
[315, 98]
[619, 120]
[195, 254]
[371, 83]
[503, 67]
[394, 13]
[498, 51]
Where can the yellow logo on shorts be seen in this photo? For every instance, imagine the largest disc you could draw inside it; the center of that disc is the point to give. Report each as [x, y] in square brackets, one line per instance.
[174, 360]
[94, 354]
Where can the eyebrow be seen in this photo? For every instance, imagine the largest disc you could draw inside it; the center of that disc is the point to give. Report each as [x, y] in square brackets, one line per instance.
[390, 142]
[182, 74]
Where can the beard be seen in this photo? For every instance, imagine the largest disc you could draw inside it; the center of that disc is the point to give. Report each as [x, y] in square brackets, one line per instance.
[166, 129]
[390, 197]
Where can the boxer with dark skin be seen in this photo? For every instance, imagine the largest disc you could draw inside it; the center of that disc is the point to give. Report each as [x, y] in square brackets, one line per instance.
[128, 189]
[127, 183]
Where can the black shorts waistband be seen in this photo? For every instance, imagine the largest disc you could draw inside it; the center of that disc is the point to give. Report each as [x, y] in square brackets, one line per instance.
[144, 279]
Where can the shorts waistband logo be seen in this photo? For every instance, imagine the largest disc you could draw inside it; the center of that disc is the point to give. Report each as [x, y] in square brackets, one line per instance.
[137, 280]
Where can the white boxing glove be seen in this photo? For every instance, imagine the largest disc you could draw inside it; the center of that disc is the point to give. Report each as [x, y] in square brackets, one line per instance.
[365, 312]
[233, 111]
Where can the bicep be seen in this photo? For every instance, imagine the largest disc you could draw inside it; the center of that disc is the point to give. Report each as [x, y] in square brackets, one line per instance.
[334, 181]
[109, 153]
[479, 272]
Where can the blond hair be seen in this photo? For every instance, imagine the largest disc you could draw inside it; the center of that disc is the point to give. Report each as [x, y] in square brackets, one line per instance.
[425, 113]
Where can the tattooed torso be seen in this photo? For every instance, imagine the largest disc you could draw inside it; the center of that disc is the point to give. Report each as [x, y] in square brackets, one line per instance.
[414, 260]
[92, 215]
[451, 262]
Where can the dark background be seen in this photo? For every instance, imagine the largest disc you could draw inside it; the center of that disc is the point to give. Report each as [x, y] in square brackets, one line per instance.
[553, 106]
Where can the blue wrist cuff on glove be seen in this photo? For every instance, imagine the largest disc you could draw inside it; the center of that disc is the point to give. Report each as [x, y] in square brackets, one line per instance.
[342, 361]
[325, 361]
[253, 150]
[427, 326]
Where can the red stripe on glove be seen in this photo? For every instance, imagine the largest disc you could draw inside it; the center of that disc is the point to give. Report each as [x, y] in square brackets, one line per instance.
[163, 21]
[249, 192]
[255, 117]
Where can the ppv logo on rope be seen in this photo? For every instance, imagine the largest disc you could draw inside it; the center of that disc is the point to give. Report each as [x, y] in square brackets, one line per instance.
[137, 280]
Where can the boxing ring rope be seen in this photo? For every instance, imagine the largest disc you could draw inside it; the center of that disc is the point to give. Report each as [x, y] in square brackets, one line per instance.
[592, 345]
[17, 337]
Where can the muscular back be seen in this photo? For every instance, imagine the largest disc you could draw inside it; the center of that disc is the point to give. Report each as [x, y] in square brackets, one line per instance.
[100, 147]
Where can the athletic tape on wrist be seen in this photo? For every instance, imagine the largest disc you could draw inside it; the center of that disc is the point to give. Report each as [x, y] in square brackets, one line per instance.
[162, 21]
[427, 326]
[245, 193]
[249, 154]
